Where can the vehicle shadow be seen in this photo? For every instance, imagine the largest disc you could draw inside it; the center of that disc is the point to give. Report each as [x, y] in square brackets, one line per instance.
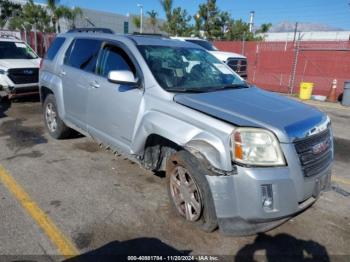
[121, 250]
[27, 99]
[282, 247]
[5, 104]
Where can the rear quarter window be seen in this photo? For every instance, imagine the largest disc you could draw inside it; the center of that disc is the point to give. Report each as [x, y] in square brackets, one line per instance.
[54, 48]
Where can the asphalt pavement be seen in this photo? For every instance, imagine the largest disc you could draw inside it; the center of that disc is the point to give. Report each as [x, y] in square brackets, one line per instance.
[69, 199]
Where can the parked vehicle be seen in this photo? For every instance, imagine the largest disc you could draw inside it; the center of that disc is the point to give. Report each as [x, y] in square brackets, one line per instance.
[236, 157]
[19, 68]
[236, 61]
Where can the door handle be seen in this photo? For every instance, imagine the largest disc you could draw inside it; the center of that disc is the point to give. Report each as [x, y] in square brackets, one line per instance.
[62, 73]
[94, 84]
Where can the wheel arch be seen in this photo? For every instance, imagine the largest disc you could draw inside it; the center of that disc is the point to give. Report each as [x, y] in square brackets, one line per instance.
[154, 130]
[52, 84]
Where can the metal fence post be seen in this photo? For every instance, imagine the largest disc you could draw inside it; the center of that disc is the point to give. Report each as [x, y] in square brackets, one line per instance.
[243, 44]
[294, 66]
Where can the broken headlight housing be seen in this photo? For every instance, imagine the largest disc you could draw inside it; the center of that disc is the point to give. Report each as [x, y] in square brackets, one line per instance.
[256, 147]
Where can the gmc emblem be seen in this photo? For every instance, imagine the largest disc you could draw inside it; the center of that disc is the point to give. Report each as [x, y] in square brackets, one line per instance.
[321, 147]
[28, 72]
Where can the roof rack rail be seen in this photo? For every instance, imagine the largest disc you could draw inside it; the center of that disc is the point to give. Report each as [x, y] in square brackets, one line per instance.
[91, 30]
[150, 34]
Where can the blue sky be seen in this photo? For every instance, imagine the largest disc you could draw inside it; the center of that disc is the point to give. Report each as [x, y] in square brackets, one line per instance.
[335, 13]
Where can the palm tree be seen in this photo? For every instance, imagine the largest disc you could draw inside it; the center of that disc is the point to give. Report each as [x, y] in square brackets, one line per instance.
[73, 15]
[8, 11]
[167, 6]
[153, 21]
[58, 12]
[264, 28]
[52, 5]
[61, 12]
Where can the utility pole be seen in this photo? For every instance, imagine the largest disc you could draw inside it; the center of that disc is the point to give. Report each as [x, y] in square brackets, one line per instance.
[141, 17]
[251, 21]
[294, 65]
[295, 32]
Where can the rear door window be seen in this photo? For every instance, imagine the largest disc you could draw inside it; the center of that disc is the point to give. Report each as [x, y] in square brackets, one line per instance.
[83, 53]
[54, 48]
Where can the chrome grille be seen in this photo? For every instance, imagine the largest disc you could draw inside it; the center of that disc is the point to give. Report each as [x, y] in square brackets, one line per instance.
[239, 65]
[315, 153]
[24, 75]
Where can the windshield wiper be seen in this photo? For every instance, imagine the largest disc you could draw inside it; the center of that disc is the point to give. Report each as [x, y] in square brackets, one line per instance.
[233, 86]
[206, 89]
[188, 90]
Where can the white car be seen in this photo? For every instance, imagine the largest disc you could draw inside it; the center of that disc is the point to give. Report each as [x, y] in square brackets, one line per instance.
[19, 68]
[235, 61]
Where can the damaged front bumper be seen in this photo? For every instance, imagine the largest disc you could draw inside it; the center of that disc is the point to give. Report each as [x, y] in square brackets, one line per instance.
[7, 88]
[19, 90]
[259, 199]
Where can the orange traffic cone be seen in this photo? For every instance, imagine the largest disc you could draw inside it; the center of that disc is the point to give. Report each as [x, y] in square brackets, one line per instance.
[332, 96]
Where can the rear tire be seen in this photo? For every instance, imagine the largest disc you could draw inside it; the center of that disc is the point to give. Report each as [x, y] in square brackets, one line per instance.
[53, 123]
[189, 191]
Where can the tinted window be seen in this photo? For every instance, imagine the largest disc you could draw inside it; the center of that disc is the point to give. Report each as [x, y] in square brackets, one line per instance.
[54, 48]
[83, 54]
[113, 58]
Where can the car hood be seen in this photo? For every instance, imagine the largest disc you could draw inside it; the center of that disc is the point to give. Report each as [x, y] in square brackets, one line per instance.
[253, 107]
[223, 56]
[19, 63]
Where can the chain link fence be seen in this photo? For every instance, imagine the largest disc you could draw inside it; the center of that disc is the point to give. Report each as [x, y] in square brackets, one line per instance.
[281, 66]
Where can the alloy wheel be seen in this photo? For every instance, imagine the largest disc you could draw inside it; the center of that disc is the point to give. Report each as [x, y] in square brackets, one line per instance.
[51, 117]
[185, 194]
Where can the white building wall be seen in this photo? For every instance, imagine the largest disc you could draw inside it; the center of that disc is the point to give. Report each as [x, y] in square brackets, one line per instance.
[308, 36]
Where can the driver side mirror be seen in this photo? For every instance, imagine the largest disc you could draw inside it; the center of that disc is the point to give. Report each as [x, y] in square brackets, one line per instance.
[122, 77]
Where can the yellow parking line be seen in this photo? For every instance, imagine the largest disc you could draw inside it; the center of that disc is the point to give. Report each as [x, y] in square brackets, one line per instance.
[341, 180]
[63, 244]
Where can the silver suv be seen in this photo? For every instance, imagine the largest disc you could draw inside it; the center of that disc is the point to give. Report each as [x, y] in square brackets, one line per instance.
[235, 157]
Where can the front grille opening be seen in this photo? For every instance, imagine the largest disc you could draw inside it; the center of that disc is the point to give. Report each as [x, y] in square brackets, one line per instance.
[24, 75]
[239, 65]
[315, 153]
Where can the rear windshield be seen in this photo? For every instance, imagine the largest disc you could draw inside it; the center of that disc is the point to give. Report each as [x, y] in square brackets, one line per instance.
[16, 50]
[54, 48]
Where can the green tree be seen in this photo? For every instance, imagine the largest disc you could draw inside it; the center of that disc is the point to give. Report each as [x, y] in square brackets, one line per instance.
[177, 19]
[136, 21]
[264, 28]
[153, 20]
[59, 11]
[72, 15]
[179, 22]
[167, 6]
[197, 25]
[32, 17]
[239, 30]
[53, 6]
[8, 11]
[210, 15]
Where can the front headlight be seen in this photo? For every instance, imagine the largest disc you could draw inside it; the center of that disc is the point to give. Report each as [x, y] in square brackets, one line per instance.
[2, 72]
[257, 147]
